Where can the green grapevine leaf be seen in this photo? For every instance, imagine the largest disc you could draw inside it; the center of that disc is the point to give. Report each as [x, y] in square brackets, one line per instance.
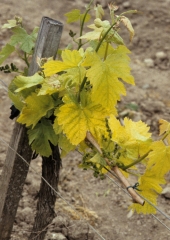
[23, 82]
[99, 30]
[35, 33]
[99, 11]
[17, 99]
[11, 23]
[97, 159]
[21, 37]
[5, 52]
[75, 15]
[41, 136]
[65, 145]
[36, 107]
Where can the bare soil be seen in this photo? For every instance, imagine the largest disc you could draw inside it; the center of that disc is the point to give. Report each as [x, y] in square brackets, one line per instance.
[101, 203]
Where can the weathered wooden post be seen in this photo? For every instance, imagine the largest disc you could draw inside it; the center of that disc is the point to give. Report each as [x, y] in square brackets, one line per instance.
[15, 169]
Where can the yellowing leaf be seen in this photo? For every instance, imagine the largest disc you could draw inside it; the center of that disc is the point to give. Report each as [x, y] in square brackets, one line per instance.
[128, 24]
[23, 82]
[41, 136]
[36, 107]
[164, 128]
[76, 119]
[70, 58]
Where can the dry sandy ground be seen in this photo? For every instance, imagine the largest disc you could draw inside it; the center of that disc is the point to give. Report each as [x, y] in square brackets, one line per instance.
[152, 98]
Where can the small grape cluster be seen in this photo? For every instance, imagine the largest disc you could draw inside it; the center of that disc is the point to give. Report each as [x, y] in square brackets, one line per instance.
[108, 128]
[90, 165]
[88, 86]
[9, 68]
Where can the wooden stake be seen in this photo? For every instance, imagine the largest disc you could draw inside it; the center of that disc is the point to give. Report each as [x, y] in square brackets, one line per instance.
[15, 170]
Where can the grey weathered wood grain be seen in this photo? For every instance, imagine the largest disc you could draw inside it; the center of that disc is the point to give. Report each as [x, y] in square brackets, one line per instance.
[15, 169]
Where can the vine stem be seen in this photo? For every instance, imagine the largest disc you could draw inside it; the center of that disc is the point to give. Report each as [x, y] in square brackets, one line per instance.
[82, 23]
[26, 59]
[136, 198]
[137, 161]
[81, 87]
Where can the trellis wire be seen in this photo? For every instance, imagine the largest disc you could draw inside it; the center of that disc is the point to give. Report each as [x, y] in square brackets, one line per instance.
[3, 85]
[72, 207]
[123, 189]
[164, 214]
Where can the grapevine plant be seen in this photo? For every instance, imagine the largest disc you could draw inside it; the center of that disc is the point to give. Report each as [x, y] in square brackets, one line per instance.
[72, 102]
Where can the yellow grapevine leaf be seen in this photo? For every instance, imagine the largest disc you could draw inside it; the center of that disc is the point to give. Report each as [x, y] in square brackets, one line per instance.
[139, 130]
[120, 60]
[36, 107]
[70, 58]
[149, 186]
[52, 67]
[106, 86]
[76, 119]
[74, 75]
[159, 159]
[105, 75]
[133, 136]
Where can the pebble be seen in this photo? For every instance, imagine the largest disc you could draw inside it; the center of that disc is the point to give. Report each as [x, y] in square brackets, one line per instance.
[55, 236]
[161, 55]
[126, 4]
[146, 86]
[149, 62]
[60, 221]
[166, 192]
